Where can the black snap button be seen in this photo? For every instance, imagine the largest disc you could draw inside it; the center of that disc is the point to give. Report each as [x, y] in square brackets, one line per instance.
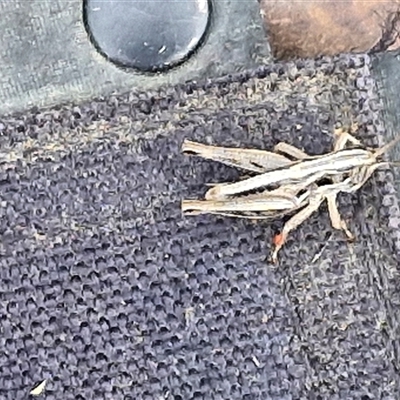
[150, 36]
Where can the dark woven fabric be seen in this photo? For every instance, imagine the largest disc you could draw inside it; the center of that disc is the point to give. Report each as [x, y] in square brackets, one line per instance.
[109, 293]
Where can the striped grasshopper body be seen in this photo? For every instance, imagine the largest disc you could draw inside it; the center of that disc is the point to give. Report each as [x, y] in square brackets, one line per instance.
[287, 186]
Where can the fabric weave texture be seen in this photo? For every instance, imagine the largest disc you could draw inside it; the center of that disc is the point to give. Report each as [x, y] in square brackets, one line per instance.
[108, 292]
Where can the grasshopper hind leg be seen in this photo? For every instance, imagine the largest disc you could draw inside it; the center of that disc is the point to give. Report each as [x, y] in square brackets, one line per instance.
[289, 150]
[294, 222]
[342, 137]
[336, 220]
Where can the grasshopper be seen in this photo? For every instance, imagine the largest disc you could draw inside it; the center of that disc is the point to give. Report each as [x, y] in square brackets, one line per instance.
[341, 160]
[297, 181]
[261, 161]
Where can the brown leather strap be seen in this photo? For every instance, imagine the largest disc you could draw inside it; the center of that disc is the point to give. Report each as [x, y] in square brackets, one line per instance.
[328, 27]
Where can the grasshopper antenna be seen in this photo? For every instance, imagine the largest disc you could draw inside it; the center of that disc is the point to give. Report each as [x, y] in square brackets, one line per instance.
[387, 147]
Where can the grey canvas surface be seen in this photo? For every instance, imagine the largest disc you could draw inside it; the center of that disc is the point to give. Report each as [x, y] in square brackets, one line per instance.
[109, 293]
[47, 56]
